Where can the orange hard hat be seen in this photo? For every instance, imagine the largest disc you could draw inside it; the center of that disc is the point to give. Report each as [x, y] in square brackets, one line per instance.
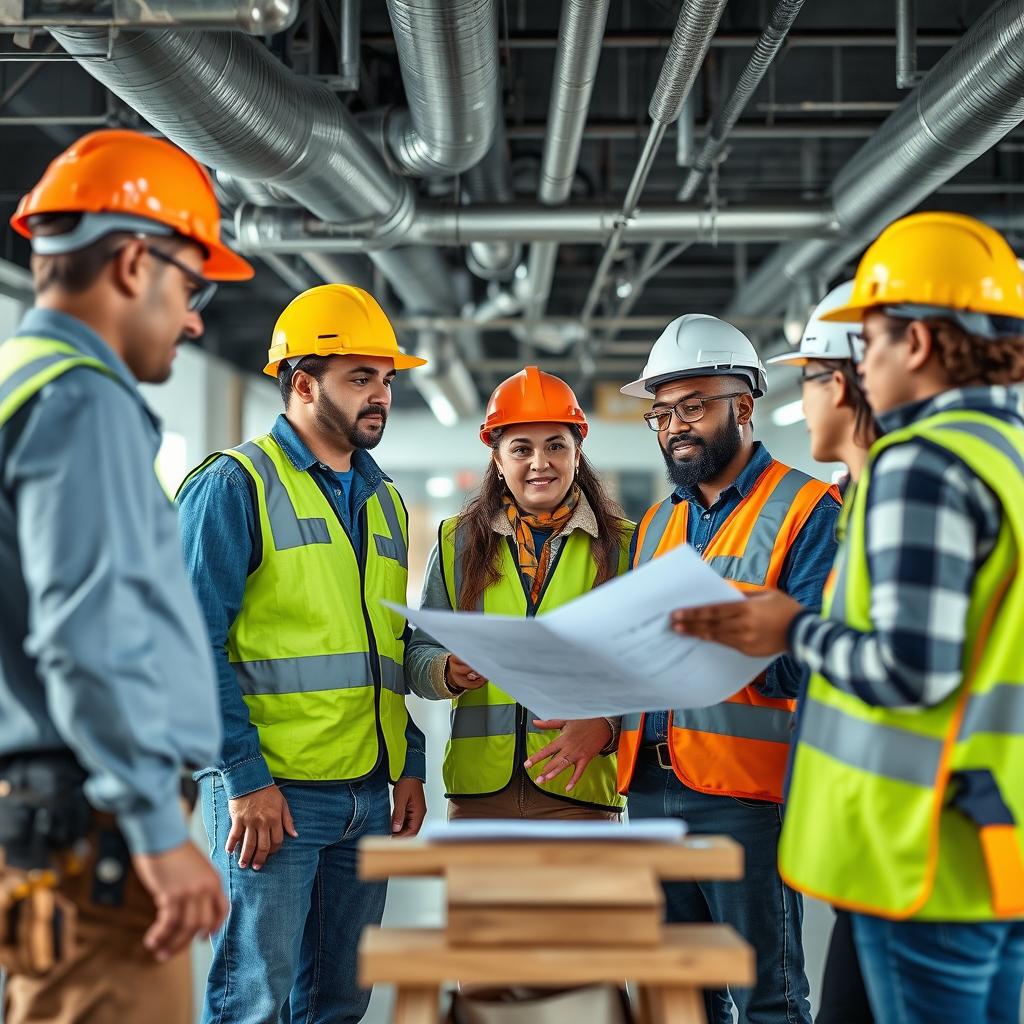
[532, 396]
[131, 175]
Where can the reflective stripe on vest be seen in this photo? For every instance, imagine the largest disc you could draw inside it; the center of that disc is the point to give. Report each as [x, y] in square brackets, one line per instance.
[739, 747]
[917, 813]
[317, 655]
[490, 733]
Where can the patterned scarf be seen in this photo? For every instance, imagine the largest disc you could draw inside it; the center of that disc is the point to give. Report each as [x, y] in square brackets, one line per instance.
[534, 567]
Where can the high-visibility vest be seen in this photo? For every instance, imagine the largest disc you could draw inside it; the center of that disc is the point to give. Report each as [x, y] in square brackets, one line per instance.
[739, 747]
[880, 806]
[318, 657]
[490, 733]
[27, 365]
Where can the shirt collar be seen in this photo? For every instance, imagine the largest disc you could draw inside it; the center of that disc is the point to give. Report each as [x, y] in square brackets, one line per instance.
[975, 399]
[760, 460]
[303, 459]
[51, 323]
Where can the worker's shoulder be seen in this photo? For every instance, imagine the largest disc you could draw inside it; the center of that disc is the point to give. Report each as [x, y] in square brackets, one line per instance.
[219, 471]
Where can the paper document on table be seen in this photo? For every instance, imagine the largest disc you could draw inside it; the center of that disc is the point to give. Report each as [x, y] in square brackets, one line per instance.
[610, 652]
[654, 830]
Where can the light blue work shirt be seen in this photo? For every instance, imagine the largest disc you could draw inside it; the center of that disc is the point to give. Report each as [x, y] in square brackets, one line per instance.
[102, 646]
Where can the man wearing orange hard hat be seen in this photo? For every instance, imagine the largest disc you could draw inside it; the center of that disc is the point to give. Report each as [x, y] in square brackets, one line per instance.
[294, 540]
[107, 690]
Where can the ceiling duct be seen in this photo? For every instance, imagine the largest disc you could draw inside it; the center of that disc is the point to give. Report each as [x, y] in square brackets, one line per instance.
[968, 101]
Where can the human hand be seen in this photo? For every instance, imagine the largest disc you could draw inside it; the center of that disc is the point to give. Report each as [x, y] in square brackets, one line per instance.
[458, 674]
[758, 625]
[188, 896]
[575, 746]
[410, 808]
[259, 821]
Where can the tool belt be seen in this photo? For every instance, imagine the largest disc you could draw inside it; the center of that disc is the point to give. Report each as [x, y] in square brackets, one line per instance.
[44, 822]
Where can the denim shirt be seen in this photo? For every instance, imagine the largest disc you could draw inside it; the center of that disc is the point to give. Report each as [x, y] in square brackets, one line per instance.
[102, 645]
[221, 542]
[804, 571]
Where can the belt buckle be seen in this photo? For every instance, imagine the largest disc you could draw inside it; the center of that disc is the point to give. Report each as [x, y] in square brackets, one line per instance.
[664, 756]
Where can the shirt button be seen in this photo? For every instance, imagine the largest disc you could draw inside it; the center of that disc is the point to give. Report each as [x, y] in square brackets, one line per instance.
[336, 491]
[707, 515]
[700, 547]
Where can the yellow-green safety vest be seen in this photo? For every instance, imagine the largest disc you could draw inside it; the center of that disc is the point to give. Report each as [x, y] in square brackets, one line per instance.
[872, 821]
[490, 733]
[317, 655]
[28, 364]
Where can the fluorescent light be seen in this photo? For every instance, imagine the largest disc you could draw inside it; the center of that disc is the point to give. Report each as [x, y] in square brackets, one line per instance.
[788, 414]
[440, 486]
[443, 410]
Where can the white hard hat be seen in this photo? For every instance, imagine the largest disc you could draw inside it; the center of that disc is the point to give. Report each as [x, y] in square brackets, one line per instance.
[824, 340]
[698, 345]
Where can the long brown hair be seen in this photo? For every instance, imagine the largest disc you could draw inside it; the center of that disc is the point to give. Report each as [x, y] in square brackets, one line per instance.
[480, 562]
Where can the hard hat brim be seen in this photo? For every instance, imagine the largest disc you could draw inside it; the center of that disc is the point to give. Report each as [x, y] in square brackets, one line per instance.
[401, 360]
[850, 314]
[485, 431]
[223, 264]
[793, 359]
[637, 389]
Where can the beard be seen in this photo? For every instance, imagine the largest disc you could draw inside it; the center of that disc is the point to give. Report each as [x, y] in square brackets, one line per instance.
[713, 454]
[331, 420]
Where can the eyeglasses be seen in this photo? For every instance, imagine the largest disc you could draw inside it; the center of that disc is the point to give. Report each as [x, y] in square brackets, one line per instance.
[689, 410]
[203, 290]
[805, 378]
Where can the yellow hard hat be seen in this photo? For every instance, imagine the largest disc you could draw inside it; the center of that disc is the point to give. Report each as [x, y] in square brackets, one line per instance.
[335, 320]
[942, 260]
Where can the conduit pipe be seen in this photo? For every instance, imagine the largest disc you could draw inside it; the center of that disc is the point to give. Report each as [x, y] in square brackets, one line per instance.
[767, 48]
[968, 101]
[257, 17]
[694, 31]
[349, 32]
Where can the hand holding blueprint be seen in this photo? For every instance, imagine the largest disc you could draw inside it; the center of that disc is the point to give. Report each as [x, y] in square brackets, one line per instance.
[610, 652]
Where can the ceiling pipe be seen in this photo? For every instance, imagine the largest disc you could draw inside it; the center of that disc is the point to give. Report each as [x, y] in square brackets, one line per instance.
[257, 17]
[448, 54]
[694, 30]
[907, 75]
[580, 32]
[768, 45]
[968, 101]
[291, 230]
[349, 33]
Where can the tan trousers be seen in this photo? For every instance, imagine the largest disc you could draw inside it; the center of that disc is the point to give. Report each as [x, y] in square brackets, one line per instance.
[109, 978]
[522, 799]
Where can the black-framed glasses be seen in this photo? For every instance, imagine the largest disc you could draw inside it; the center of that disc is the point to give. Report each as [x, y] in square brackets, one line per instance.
[203, 290]
[806, 378]
[689, 410]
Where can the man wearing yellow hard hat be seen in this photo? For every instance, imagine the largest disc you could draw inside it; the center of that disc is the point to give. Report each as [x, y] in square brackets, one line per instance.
[107, 690]
[293, 541]
[906, 803]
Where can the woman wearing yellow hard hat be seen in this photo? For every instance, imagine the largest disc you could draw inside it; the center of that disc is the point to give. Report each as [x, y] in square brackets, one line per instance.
[906, 805]
[540, 532]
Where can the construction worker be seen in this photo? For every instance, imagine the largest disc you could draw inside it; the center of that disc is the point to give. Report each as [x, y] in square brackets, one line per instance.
[540, 532]
[107, 690]
[759, 524]
[905, 804]
[842, 428]
[293, 540]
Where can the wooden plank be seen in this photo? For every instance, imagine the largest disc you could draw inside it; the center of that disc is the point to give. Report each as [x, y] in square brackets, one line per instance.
[672, 1004]
[416, 1005]
[581, 926]
[709, 955]
[533, 885]
[692, 859]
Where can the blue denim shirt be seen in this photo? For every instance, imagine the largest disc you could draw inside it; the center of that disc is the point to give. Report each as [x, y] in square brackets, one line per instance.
[102, 645]
[220, 537]
[804, 571]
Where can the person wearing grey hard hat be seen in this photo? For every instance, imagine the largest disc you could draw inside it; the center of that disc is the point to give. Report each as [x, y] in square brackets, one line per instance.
[760, 524]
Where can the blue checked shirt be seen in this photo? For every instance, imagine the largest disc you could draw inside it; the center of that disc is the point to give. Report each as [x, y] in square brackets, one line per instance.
[931, 523]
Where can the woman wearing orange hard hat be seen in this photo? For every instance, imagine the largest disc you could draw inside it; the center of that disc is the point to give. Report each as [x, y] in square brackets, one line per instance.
[540, 532]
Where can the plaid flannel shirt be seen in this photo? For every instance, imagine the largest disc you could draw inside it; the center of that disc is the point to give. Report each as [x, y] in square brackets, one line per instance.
[931, 523]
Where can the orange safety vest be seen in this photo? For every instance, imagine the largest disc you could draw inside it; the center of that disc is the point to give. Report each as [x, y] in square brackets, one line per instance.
[739, 747]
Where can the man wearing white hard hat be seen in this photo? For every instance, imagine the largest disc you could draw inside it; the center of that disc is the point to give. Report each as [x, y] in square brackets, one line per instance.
[760, 524]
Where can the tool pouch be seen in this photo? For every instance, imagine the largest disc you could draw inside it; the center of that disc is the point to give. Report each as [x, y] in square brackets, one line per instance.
[36, 923]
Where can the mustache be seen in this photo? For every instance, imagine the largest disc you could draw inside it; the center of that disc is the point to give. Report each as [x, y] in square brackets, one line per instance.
[685, 439]
[374, 410]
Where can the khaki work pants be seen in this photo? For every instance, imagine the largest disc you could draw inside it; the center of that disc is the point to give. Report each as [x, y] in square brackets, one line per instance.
[108, 978]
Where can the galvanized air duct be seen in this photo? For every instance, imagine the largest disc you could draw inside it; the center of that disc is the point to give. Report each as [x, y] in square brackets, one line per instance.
[448, 52]
[971, 98]
[580, 32]
[258, 17]
[691, 39]
[766, 50]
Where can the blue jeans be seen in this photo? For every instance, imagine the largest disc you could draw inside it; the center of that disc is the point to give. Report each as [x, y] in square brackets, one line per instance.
[929, 972]
[766, 912]
[287, 952]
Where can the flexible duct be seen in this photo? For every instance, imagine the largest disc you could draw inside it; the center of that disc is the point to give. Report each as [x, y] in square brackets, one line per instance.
[258, 18]
[766, 50]
[448, 52]
[971, 98]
